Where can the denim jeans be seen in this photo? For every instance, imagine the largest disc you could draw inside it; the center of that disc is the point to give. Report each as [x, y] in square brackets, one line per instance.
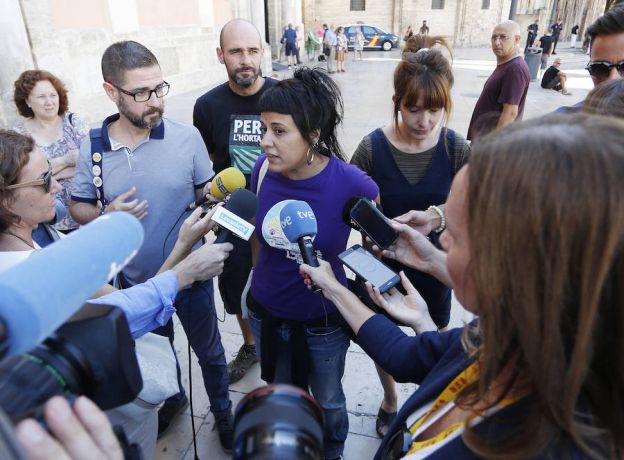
[328, 349]
[199, 320]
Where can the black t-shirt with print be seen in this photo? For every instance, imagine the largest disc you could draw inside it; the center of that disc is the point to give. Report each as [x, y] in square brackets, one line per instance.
[230, 126]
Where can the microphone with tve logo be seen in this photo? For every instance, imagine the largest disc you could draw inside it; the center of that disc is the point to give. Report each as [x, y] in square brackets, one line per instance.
[299, 225]
[225, 183]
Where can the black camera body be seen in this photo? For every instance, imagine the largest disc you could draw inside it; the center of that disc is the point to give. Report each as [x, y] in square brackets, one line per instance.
[92, 354]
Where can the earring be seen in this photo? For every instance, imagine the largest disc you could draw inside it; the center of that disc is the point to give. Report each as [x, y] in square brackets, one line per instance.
[310, 156]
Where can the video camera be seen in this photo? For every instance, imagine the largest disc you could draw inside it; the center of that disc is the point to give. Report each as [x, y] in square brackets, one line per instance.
[52, 344]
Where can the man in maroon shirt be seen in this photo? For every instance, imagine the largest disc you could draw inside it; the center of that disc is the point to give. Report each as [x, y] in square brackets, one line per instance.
[502, 99]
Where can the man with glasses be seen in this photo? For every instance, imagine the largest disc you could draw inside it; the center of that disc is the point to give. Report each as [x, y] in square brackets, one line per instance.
[153, 167]
[606, 63]
[502, 100]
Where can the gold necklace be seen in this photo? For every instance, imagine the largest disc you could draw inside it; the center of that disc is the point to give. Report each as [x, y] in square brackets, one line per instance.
[22, 239]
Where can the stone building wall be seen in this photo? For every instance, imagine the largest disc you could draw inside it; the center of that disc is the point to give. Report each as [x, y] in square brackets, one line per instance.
[68, 37]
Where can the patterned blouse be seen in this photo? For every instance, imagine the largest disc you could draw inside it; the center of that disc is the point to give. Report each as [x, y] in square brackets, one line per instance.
[74, 131]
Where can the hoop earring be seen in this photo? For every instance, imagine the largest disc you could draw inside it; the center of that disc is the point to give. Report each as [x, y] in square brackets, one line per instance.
[310, 155]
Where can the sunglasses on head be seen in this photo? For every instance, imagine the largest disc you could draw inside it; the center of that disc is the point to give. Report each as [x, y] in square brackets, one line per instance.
[602, 69]
[45, 181]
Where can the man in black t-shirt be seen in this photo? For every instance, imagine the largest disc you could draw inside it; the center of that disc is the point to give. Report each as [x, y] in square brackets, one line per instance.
[555, 79]
[229, 122]
[546, 45]
[556, 29]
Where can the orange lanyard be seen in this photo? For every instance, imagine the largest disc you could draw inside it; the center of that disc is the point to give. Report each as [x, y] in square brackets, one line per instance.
[465, 378]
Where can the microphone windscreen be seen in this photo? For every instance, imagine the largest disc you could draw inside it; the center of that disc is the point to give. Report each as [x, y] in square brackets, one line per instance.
[227, 181]
[346, 212]
[42, 292]
[297, 220]
[243, 203]
[272, 229]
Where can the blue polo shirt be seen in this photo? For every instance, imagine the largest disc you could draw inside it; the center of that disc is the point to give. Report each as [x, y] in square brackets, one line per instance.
[166, 168]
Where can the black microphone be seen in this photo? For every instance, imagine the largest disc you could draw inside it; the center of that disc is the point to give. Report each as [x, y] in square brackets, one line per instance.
[243, 206]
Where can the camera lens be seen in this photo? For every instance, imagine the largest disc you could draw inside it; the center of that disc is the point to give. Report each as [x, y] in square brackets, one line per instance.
[278, 422]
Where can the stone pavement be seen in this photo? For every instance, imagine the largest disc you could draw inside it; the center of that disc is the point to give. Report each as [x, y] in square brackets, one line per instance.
[367, 90]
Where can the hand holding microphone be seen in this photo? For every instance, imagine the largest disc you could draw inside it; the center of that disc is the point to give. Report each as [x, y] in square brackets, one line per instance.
[224, 184]
[299, 226]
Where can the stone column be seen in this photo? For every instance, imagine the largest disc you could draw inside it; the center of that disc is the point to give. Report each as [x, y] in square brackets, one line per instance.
[15, 55]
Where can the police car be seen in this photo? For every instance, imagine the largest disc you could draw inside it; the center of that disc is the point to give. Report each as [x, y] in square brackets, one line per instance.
[374, 37]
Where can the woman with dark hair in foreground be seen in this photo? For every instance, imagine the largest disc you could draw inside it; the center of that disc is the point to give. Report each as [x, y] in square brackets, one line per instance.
[534, 245]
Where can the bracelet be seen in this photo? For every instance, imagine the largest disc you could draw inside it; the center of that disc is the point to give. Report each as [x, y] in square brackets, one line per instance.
[440, 213]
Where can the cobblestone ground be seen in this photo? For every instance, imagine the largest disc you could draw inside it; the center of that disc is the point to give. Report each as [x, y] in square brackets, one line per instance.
[367, 90]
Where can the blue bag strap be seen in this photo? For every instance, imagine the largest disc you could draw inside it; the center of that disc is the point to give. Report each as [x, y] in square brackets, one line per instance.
[97, 148]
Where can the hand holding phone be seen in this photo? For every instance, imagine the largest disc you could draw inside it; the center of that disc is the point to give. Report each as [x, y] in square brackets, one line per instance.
[368, 267]
[373, 223]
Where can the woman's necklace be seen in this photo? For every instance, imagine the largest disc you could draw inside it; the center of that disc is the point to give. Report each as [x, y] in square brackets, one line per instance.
[22, 239]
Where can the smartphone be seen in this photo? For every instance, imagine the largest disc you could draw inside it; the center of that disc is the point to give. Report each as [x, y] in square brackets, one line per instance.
[373, 223]
[367, 266]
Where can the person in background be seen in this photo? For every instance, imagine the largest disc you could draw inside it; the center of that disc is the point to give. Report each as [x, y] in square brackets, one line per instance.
[299, 42]
[424, 29]
[358, 44]
[289, 39]
[408, 33]
[556, 29]
[531, 34]
[555, 79]
[341, 49]
[502, 100]
[41, 98]
[301, 338]
[574, 36]
[413, 161]
[329, 44]
[538, 374]
[546, 44]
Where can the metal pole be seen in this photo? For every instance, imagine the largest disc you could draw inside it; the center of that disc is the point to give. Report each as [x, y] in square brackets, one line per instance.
[512, 10]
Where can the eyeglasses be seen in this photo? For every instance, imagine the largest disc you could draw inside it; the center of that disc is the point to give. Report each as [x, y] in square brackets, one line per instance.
[45, 182]
[398, 445]
[145, 95]
[602, 69]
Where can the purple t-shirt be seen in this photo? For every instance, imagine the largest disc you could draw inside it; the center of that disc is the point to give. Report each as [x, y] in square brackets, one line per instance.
[276, 283]
[508, 84]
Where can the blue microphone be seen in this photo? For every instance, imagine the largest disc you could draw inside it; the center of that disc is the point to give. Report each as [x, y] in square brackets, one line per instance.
[42, 292]
[299, 225]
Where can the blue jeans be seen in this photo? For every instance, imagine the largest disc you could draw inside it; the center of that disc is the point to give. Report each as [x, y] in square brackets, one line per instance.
[328, 349]
[199, 320]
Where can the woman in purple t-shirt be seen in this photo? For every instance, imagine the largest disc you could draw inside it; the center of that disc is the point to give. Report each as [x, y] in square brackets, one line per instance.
[301, 337]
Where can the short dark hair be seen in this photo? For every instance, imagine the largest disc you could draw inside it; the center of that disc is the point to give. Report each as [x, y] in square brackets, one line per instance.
[123, 56]
[25, 84]
[313, 100]
[15, 151]
[612, 22]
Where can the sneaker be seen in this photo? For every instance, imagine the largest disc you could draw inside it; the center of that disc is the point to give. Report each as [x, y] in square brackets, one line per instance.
[288, 67]
[238, 367]
[168, 412]
[225, 427]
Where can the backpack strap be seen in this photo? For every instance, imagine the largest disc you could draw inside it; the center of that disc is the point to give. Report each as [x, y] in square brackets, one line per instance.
[263, 170]
[97, 148]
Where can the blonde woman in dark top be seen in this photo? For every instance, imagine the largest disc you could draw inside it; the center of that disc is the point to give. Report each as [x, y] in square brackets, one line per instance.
[413, 161]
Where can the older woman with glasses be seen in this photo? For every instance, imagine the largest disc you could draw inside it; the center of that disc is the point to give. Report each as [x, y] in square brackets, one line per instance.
[534, 245]
[41, 98]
